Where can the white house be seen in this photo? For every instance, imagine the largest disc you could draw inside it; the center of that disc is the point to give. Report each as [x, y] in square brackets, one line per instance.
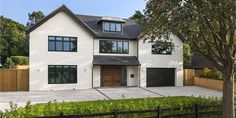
[70, 51]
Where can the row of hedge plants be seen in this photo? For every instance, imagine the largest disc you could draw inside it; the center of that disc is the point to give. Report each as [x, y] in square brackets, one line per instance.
[54, 108]
[16, 60]
[209, 74]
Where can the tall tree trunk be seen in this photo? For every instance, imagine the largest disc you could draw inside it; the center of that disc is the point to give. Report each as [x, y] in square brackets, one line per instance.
[228, 96]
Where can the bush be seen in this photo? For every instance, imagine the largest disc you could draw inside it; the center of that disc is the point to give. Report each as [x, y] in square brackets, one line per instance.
[210, 73]
[70, 108]
[16, 60]
[20, 60]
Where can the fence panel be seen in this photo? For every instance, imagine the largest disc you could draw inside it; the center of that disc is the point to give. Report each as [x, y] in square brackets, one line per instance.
[14, 80]
[23, 80]
[189, 77]
[9, 80]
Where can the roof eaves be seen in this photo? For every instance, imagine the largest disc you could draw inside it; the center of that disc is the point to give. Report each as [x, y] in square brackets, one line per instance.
[181, 37]
[65, 9]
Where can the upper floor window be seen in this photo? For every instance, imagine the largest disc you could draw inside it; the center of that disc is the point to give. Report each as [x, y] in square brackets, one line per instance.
[117, 47]
[161, 47]
[112, 27]
[63, 44]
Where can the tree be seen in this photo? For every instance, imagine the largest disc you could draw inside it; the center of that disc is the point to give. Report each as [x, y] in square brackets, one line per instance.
[12, 39]
[187, 55]
[138, 16]
[34, 18]
[208, 26]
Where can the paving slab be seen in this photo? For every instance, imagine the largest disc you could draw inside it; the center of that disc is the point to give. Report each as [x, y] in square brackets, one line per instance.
[127, 92]
[101, 94]
[186, 91]
[43, 97]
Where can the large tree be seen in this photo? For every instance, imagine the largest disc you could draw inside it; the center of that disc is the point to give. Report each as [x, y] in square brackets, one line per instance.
[12, 39]
[34, 18]
[208, 26]
[138, 16]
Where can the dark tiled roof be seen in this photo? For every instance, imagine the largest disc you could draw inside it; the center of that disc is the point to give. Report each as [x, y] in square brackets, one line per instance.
[130, 28]
[90, 23]
[200, 62]
[116, 60]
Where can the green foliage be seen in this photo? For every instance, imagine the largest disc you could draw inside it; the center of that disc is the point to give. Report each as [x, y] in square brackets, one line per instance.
[34, 18]
[205, 24]
[16, 60]
[210, 73]
[12, 39]
[187, 55]
[138, 16]
[69, 108]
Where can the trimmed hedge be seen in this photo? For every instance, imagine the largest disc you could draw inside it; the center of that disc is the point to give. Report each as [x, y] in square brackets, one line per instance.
[210, 74]
[16, 60]
[70, 108]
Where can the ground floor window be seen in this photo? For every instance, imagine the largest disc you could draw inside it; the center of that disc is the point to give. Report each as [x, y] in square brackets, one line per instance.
[62, 74]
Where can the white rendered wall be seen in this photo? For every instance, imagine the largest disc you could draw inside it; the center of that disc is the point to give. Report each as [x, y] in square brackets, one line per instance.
[149, 60]
[96, 76]
[60, 25]
[132, 81]
[132, 48]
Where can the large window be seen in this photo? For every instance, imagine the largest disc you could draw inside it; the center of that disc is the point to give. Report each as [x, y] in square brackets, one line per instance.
[62, 74]
[160, 47]
[63, 44]
[112, 27]
[118, 47]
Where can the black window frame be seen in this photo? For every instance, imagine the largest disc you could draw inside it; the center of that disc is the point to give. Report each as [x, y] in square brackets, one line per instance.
[62, 72]
[169, 43]
[111, 50]
[109, 23]
[63, 41]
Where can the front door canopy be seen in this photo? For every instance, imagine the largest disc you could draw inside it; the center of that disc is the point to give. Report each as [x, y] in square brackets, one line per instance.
[116, 60]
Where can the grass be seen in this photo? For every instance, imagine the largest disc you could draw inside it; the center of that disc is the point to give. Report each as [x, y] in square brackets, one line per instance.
[70, 108]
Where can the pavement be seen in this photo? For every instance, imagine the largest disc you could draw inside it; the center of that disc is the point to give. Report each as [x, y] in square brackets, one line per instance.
[104, 93]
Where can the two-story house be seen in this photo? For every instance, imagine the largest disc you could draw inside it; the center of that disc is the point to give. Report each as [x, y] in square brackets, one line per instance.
[70, 51]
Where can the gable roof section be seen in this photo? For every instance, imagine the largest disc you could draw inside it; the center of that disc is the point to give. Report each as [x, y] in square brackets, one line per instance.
[60, 9]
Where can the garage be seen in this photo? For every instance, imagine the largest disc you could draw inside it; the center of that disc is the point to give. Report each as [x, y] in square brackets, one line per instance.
[160, 77]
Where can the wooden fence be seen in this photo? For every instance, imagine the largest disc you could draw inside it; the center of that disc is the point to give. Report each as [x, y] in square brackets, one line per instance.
[190, 80]
[14, 80]
[197, 111]
[210, 83]
[189, 77]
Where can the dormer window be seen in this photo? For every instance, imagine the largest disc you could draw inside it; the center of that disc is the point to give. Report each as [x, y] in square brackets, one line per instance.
[112, 27]
[112, 24]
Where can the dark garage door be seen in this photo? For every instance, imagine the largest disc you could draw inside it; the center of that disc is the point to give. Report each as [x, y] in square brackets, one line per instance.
[160, 77]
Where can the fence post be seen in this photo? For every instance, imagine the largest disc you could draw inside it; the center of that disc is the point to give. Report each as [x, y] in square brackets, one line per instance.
[115, 113]
[158, 112]
[197, 111]
[61, 115]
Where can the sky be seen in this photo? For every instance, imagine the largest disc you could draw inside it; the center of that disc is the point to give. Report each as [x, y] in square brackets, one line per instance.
[18, 9]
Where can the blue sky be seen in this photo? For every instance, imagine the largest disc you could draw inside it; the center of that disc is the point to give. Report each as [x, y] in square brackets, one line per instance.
[18, 9]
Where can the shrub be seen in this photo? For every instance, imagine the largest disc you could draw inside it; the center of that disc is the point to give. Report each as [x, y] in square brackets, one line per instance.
[210, 73]
[69, 108]
[16, 60]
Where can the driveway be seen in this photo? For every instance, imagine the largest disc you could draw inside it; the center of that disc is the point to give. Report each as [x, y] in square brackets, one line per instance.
[102, 94]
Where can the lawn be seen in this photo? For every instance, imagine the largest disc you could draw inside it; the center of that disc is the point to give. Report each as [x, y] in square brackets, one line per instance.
[69, 108]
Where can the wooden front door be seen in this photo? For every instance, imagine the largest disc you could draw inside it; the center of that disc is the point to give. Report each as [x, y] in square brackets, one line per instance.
[111, 76]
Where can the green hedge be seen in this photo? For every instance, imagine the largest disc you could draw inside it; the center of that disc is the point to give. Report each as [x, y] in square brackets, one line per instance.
[210, 74]
[69, 108]
[16, 60]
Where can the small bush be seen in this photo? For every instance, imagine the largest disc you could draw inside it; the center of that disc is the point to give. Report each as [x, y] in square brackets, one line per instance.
[16, 60]
[210, 73]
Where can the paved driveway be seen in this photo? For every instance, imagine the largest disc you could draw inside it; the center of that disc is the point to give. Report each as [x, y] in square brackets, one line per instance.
[101, 93]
